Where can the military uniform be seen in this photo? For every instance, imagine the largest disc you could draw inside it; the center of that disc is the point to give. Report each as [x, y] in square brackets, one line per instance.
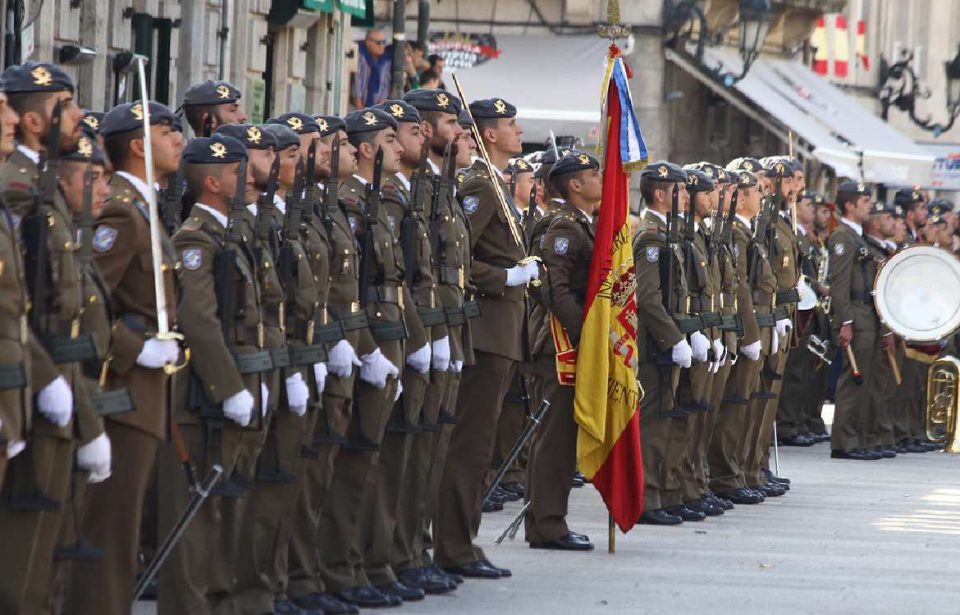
[228, 362]
[123, 256]
[567, 250]
[852, 270]
[498, 345]
[30, 526]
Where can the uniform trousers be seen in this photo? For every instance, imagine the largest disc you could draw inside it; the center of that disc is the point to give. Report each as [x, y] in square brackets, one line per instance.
[655, 425]
[853, 413]
[459, 506]
[726, 457]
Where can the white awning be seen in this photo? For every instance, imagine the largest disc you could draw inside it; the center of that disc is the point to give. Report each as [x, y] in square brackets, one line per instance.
[553, 81]
[839, 131]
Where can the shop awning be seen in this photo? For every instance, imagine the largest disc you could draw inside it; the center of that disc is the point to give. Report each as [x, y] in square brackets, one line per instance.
[553, 81]
[784, 96]
[946, 166]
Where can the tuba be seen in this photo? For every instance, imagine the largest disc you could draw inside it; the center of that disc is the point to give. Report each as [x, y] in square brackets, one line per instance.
[943, 403]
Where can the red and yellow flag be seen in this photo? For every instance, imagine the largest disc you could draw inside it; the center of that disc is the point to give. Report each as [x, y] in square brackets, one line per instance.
[607, 398]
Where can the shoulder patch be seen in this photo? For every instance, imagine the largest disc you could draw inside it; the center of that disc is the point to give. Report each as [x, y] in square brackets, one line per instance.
[839, 248]
[736, 250]
[104, 238]
[192, 258]
[470, 204]
[353, 223]
[393, 222]
[653, 254]
[561, 245]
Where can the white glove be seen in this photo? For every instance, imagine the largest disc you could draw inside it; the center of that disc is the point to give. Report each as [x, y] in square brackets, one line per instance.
[751, 351]
[238, 407]
[700, 345]
[157, 353]
[783, 326]
[533, 270]
[719, 352]
[15, 448]
[456, 366]
[420, 360]
[399, 392]
[518, 275]
[264, 399]
[297, 394]
[55, 401]
[774, 342]
[320, 374]
[441, 354]
[682, 354]
[342, 359]
[94, 457]
[376, 368]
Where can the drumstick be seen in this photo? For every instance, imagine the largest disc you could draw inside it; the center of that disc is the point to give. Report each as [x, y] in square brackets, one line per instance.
[894, 367]
[854, 370]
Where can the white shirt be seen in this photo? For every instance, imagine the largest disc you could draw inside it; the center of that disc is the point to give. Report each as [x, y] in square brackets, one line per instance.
[433, 167]
[279, 203]
[660, 216]
[138, 183]
[403, 180]
[219, 217]
[802, 230]
[362, 181]
[29, 153]
[745, 220]
[858, 228]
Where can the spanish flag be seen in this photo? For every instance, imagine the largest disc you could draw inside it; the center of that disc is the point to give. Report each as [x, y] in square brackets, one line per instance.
[608, 394]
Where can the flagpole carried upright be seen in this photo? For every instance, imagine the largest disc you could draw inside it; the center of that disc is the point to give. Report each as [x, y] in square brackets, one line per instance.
[607, 395]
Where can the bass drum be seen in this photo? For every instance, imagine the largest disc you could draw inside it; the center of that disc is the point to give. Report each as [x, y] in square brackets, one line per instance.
[917, 293]
[808, 298]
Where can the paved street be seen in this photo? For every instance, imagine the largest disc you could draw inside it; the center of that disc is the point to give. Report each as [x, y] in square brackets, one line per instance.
[850, 537]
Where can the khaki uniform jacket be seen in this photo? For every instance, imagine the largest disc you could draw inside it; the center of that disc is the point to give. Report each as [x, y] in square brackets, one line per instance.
[121, 250]
[852, 270]
[97, 320]
[17, 341]
[704, 292]
[657, 329]
[197, 242]
[786, 260]
[387, 266]
[61, 302]
[501, 328]
[742, 238]
[726, 299]
[451, 267]
[566, 253]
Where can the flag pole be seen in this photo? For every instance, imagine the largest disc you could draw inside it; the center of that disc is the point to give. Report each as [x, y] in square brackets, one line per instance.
[611, 535]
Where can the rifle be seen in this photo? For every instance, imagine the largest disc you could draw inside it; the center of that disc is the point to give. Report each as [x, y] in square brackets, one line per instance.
[85, 227]
[371, 211]
[266, 237]
[226, 276]
[170, 202]
[437, 246]
[309, 195]
[408, 228]
[673, 240]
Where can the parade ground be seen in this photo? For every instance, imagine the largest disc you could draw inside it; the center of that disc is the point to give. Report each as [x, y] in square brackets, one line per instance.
[850, 537]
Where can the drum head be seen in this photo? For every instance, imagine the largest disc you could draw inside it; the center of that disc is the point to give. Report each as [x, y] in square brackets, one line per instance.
[808, 298]
[917, 293]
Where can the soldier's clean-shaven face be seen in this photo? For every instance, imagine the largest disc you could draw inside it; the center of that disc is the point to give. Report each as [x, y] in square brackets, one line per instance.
[8, 124]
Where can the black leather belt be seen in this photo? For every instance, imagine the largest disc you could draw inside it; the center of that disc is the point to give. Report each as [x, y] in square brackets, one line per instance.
[711, 319]
[384, 294]
[328, 333]
[862, 297]
[388, 331]
[71, 349]
[307, 355]
[280, 357]
[431, 317]
[471, 309]
[253, 362]
[12, 376]
[766, 320]
[790, 295]
[780, 312]
[109, 403]
[455, 316]
[689, 325]
[354, 322]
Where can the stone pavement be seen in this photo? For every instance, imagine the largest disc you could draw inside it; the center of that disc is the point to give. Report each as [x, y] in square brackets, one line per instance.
[850, 537]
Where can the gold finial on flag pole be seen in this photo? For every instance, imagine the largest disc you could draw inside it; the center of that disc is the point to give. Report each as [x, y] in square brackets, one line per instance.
[613, 29]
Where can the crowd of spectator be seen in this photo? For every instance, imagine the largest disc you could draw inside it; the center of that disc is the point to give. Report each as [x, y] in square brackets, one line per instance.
[374, 74]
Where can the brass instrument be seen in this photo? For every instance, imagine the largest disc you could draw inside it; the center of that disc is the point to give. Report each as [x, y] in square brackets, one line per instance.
[943, 403]
[823, 268]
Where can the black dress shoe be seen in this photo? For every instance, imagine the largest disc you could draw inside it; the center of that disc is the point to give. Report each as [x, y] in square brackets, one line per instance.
[578, 482]
[367, 597]
[913, 447]
[398, 589]
[855, 454]
[567, 542]
[886, 452]
[422, 578]
[325, 603]
[821, 436]
[771, 490]
[659, 517]
[508, 496]
[705, 507]
[722, 503]
[491, 506]
[799, 440]
[514, 487]
[285, 607]
[773, 478]
[475, 570]
[741, 496]
[437, 571]
[504, 572]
